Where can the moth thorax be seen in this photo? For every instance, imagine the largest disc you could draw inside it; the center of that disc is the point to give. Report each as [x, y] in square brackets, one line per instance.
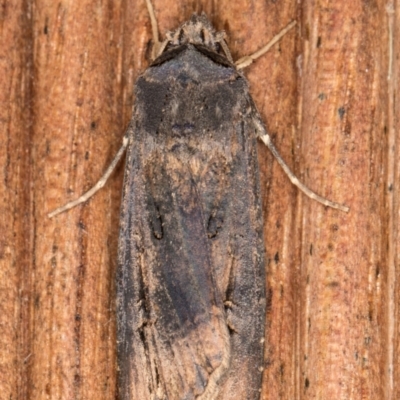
[197, 30]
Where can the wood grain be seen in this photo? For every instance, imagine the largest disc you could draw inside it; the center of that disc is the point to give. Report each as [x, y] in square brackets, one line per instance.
[15, 192]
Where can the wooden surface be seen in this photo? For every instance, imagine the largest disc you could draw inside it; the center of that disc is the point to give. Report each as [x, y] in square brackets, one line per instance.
[327, 92]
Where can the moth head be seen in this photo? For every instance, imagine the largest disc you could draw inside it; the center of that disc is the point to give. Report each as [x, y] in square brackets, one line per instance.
[198, 31]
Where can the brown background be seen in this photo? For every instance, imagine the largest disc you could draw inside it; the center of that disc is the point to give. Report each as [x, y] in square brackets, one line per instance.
[327, 92]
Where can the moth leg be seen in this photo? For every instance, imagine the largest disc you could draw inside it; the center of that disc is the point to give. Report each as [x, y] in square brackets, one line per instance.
[221, 40]
[263, 135]
[247, 60]
[97, 186]
[158, 47]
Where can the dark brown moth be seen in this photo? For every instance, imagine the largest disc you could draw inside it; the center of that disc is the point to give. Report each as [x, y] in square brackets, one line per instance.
[191, 280]
[191, 299]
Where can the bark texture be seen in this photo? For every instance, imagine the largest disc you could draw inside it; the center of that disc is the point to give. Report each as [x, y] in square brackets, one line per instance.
[327, 93]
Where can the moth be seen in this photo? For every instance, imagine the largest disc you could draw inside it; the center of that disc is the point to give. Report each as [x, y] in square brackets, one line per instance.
[191, 266]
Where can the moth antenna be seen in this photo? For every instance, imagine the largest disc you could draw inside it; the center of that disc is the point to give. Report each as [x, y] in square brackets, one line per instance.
[86, 196]
[293, 178]
[247, 60]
